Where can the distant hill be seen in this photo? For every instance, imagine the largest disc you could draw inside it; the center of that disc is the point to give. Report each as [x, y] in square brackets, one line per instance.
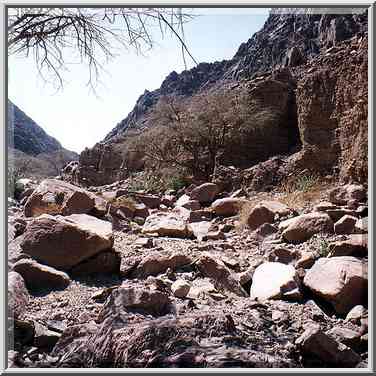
[27, 141]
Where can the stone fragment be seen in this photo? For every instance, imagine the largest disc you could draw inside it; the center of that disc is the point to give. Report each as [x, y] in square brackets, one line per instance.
[356, 245]
[166, 224]
[345, 225]
[314, 342]
[18, 296]
[266, 212]
[223, 277]
[227, 206]
[341, 195]
[180, 288]
[140, 300]
[204, 193]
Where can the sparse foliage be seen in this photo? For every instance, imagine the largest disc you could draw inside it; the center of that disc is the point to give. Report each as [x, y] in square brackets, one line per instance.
[323, 248]
[193, 133]
[302, 182]
[157, 181]
[16, 171]
[93, 35]
[59, 198]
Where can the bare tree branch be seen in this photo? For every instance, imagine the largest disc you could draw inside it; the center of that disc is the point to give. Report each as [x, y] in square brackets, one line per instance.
[94, 33]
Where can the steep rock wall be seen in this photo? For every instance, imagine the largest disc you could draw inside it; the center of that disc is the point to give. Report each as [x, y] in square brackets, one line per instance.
[332, 111]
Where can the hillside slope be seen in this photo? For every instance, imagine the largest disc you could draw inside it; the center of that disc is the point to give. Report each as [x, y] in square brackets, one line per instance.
[29, 145]
[286, 39]
[277, 67]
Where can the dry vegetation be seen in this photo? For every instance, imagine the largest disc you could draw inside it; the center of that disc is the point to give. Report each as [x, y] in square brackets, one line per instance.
[303, 189]
[297, 192]
[191, 134]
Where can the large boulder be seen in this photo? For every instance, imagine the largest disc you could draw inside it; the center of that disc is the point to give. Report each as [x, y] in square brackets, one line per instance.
[58, 197]
[325, 349]
[302, 227]
[166, 224]
[227, 206]
[18, 296]
[38, 276]
[63, 242]
[106, 262]
[342, 281]
[204, 193]
[266, 212]
[196, 339]
[342, 195]
[274, 280]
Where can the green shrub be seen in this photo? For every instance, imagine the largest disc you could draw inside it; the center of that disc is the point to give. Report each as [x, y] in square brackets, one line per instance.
[305, 182]
[323, 248]
[59, 198]
[176, 183]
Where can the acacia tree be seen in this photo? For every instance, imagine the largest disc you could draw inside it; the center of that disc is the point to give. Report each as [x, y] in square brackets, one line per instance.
[191, 132]
[198, 132]
[91, 34]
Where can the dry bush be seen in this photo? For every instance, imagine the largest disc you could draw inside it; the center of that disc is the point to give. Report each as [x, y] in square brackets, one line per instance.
[91, 36]
[159, 180]
[297, 192]
[124, 201]
[305, 189]
[192, 133]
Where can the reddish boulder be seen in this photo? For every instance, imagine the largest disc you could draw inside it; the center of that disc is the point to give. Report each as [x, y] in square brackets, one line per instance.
[63, 242]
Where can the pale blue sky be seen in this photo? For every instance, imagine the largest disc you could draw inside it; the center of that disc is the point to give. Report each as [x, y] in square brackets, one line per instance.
[79, 119]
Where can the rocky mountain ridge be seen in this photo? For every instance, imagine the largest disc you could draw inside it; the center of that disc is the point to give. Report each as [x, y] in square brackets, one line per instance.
[304, 68]
[286, 39]
[31, 148]
[260, 266]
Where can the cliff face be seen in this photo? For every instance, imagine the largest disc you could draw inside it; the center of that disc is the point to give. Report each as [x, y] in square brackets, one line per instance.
[302, 66]
[332, 99]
